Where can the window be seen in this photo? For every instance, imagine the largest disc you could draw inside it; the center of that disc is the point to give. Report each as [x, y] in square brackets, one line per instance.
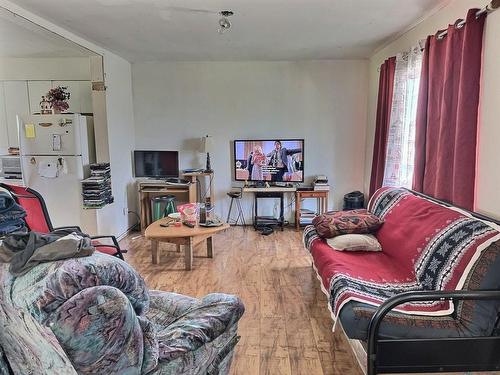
[401, 138]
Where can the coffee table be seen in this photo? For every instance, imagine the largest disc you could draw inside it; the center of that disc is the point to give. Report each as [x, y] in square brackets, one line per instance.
[189, 237]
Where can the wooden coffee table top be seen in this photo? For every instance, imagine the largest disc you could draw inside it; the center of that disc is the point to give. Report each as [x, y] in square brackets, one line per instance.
[155, 231]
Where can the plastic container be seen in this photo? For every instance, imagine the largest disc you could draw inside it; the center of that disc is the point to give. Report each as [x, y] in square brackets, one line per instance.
[161, 206]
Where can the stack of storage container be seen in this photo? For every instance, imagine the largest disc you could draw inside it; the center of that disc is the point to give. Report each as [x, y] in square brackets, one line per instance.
[96, 189]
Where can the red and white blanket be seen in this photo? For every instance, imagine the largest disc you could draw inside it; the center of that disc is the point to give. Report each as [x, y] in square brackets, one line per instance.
[426, 246]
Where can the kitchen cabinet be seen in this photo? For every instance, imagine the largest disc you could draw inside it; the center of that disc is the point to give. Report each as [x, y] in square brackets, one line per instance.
[86, 97]
[23, 97]
[16, 102]
[37, 89]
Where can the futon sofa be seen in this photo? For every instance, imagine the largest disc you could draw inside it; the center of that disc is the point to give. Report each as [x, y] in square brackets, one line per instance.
[95, 315]
[407, 293]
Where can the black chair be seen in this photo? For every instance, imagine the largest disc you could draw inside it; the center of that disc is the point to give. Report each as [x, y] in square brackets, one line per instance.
[236, 195]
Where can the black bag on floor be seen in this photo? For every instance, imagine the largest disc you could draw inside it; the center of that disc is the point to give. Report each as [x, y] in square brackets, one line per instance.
[354, 200]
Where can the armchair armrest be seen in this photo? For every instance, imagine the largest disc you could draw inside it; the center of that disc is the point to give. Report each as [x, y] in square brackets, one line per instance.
[100, 330]
[119, 252]
[113, 239]
[459, 347]
[195, 325]
[27, 347]
[70, 227]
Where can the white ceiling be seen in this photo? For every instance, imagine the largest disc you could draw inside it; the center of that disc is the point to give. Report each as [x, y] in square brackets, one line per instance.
[21, 38]
[142, 30]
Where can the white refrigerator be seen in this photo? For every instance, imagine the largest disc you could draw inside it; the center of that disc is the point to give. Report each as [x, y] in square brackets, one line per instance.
[56, 151]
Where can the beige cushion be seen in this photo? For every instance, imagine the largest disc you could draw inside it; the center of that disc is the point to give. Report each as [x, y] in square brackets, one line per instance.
[355, 242]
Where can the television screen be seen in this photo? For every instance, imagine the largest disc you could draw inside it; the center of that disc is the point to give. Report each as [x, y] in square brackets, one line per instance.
[156, 163]
[274, 160]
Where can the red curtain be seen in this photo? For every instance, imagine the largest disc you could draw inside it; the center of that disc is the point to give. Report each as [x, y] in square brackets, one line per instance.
[384, 105]
[447, 113]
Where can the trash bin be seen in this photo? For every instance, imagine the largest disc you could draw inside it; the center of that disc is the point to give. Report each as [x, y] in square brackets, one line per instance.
[161, 206]
[354, 200]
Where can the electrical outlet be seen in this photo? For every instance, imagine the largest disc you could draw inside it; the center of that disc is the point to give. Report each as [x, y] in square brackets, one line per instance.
[125, 211]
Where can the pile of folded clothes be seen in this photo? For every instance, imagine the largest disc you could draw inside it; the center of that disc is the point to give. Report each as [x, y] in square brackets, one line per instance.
[11, 215]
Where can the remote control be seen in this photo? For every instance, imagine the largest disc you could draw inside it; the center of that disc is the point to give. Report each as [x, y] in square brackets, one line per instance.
[188, 225]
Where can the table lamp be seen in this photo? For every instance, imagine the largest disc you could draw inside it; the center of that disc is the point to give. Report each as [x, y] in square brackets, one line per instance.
[207, 147]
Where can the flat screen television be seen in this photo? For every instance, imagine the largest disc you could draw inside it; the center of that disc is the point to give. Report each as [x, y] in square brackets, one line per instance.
[159, 164]
[269, 160]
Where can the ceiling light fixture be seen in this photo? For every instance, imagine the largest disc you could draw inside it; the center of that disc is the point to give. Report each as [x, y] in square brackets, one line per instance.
[224, 24]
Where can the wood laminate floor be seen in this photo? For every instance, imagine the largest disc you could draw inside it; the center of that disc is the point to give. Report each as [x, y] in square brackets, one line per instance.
[286, 328]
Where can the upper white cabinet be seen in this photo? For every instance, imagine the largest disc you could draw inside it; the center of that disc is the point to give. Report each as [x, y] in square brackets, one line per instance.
[80, 99]
[16, 102]
[23, 98]
[36, 90]
[86, 97]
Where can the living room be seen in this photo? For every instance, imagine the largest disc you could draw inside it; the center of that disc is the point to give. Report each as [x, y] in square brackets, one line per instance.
[329, 94]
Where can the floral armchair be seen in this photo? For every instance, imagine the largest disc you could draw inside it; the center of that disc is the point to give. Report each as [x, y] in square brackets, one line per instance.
[95, 315]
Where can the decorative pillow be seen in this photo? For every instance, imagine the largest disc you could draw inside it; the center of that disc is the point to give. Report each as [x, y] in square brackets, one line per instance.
[332, 224]
[355, 242]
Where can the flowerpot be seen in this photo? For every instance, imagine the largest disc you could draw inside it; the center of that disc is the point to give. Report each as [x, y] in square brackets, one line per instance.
[56, 111]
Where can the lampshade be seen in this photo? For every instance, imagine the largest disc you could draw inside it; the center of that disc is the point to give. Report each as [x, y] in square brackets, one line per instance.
[207, 144]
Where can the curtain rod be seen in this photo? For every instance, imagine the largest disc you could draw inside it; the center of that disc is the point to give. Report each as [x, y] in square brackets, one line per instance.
[491, 7]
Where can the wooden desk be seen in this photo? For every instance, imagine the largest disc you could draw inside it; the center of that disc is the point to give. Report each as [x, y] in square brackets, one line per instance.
[322, 202]
[189, 237]
[149, 188]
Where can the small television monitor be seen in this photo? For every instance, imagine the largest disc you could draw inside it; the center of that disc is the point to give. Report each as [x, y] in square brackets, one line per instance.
[269, 160]
[159, 164]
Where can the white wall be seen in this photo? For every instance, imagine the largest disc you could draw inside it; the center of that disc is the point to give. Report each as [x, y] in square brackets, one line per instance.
[488, 178]
[324, 102]
[46, 69]
[119, 108]
[113, 219]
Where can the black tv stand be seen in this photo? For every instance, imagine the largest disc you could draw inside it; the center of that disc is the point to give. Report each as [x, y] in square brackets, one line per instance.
[260, 221]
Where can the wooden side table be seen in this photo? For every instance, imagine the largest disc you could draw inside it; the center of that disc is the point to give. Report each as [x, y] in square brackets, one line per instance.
[322, 202]
[189, 237]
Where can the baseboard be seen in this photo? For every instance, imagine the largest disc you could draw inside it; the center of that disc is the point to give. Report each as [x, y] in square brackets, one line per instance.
[127, 231]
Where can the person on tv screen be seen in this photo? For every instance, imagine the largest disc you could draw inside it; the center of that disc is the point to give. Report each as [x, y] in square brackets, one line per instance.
[279, 160]
[258, 161]
[249, 164]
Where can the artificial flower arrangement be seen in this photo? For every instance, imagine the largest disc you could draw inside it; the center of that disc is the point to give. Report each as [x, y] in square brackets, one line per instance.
[57, 97]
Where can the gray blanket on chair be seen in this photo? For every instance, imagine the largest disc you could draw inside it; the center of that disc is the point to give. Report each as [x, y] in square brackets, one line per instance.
[26, 250]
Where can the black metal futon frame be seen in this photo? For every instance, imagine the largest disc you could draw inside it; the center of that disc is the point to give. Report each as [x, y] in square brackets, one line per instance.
[437, 354]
